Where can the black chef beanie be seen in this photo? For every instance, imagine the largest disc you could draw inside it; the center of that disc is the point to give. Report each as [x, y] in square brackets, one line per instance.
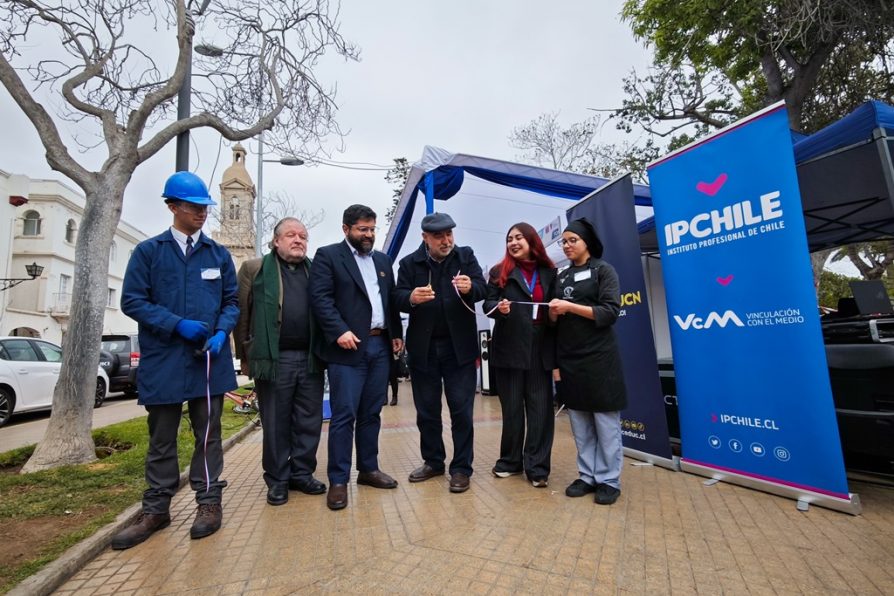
[587, 233]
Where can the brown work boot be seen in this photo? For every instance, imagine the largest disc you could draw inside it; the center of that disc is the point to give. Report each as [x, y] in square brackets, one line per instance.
[208, 518]
[146, 524]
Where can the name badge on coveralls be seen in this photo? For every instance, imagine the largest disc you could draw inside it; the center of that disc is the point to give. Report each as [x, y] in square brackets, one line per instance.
[582, 275]
[210, 273]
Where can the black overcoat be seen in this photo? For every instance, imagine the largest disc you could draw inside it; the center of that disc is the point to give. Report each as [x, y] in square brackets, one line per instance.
[414, 271]
[514, 332]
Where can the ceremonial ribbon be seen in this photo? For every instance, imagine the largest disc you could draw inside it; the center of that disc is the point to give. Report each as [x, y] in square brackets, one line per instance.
[208, 425]
[488, 313]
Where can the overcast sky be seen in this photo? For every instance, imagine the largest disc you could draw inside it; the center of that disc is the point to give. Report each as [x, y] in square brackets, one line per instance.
[457, 75]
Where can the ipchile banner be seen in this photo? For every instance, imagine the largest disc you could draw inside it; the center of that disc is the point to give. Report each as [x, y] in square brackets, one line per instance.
[644, 423]
[752, 380]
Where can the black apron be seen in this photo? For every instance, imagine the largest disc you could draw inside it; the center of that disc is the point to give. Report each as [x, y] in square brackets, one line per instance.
[587, 354]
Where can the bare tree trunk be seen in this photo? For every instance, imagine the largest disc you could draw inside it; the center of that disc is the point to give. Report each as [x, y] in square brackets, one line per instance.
[818, 263]
[68, 438]
[871, 270]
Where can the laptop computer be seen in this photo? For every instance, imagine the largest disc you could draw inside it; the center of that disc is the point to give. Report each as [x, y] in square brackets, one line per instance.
[872, 297]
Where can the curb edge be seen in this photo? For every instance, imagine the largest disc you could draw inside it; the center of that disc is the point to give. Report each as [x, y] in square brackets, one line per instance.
[48, 579]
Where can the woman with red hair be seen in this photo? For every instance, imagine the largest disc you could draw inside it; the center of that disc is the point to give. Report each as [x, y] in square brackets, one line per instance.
[523, 354]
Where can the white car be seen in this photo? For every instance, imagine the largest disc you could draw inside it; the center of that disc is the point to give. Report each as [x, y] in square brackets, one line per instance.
[29, 369]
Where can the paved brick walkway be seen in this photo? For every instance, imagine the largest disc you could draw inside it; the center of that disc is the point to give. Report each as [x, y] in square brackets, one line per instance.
[668, 533]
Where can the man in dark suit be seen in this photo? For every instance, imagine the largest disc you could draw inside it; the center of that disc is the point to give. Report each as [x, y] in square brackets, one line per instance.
[438, 285]
[350, 290]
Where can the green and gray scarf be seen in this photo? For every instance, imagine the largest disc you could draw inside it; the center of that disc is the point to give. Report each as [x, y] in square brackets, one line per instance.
[267, 291]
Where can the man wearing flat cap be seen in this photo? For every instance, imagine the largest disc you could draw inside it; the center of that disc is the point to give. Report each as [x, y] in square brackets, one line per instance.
[438, 285]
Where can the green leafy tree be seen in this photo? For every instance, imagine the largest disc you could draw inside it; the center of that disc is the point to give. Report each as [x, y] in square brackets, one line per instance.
[874, 260]
[397, 176]
[715, 60]
[832, 286]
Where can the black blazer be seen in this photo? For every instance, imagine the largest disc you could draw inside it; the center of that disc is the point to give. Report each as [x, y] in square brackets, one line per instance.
[513, 333]
[340, 303]
[414, 272]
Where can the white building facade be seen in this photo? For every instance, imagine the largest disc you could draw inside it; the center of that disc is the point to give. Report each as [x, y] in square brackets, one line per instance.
[40, 221]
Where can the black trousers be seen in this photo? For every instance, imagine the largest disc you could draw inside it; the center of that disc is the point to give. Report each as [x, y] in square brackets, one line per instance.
[443, 373]
[162, 466]
[526, 396]
[292, 418]
[395, 383]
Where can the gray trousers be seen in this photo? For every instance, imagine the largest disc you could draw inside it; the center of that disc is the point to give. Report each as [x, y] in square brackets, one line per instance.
[292, 419]
[162, 465]
[600, 454]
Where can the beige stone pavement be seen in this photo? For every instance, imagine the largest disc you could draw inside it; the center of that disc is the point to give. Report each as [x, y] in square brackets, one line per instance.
[668, 533]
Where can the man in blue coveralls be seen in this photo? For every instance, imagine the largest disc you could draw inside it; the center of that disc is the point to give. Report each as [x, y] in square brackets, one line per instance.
[180, 287]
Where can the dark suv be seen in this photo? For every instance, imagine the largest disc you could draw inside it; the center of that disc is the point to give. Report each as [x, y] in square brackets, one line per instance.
[120, 358]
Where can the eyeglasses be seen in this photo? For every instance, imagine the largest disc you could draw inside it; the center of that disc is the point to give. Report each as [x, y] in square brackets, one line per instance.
[192, 207]
[367, 229]
[569, 241]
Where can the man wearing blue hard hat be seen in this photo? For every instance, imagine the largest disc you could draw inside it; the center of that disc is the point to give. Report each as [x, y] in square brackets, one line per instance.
[180, 287]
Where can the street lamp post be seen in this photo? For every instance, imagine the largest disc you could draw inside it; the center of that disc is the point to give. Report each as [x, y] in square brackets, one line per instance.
[259, 200]
[34, 270]
[184, 94]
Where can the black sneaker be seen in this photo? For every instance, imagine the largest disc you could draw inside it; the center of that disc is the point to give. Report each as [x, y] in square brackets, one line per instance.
[504, 473]
[579, 488]
[606, 495]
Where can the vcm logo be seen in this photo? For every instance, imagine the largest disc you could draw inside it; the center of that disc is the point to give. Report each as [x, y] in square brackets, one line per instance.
[696, 322]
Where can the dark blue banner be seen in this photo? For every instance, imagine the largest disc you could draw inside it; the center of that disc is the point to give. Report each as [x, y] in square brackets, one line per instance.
[611, 210]
[752, 381]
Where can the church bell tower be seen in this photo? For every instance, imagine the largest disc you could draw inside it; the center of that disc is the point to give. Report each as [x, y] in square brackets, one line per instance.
[236, 209]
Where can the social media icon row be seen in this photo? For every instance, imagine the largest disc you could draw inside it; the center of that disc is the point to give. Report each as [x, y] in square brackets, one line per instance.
[756, 449]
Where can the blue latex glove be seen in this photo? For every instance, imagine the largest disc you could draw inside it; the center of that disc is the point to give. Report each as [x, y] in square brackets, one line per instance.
[216, 343]
[195, 331]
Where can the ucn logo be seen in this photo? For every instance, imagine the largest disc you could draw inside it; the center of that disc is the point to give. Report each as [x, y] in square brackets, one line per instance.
[694, 321]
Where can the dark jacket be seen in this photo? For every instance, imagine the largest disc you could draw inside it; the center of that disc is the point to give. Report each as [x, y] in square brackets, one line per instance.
[244, 331]
[161, 287]
[340, 303]
[514, 333]
[414, 271]
[586, 350]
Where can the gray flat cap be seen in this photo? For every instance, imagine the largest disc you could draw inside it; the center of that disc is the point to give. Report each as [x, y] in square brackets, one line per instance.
[437, 222]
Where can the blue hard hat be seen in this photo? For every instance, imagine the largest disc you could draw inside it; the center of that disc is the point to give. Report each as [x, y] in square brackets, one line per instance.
[186, 186]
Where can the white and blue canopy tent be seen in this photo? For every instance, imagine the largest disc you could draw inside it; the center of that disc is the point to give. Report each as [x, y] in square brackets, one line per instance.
[485, 197]
[845, 172]
[846, 176]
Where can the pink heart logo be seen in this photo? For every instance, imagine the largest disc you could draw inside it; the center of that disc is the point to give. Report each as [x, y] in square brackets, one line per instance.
[725, 281]
[712, 188]
[713, 417]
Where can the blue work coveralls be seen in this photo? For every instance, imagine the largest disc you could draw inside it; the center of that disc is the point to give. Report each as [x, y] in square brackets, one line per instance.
[161, 287]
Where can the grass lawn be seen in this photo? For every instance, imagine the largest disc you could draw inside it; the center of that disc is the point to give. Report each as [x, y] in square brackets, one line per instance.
[44, 513]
